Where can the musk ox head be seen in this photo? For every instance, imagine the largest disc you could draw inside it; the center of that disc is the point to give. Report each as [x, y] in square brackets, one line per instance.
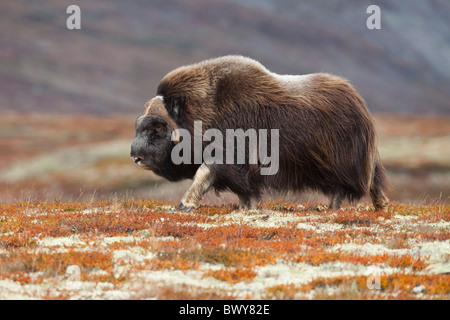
[156, 134]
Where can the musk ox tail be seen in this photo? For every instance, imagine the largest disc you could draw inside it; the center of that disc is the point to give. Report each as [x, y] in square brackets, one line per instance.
[379, 184]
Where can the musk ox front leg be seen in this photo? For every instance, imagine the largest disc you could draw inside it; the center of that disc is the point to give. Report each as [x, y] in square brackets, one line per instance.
[203, 180]
[245, 202]
[336, 200]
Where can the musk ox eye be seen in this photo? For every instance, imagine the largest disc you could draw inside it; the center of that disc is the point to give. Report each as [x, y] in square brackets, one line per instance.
[158, 127]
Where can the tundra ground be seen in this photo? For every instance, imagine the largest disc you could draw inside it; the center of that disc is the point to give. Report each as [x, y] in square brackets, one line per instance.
[137, 249]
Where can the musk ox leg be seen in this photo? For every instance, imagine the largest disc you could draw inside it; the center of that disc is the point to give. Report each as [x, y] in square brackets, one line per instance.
[380, 201]
[245, 202]
[202, 181]
[336, 200]
[380, 182]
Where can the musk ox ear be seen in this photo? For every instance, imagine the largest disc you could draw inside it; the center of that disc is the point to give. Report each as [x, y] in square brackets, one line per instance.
[175, 107]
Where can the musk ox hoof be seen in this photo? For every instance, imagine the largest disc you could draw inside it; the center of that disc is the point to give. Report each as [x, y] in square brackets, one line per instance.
[185, 208]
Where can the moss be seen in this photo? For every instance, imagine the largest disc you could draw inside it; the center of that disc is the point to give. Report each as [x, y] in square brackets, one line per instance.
[232, 275]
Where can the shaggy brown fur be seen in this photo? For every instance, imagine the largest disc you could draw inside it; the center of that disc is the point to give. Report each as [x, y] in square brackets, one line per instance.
[327, 136]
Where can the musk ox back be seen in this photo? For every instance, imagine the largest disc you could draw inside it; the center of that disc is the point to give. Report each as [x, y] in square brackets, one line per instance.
[325, 142]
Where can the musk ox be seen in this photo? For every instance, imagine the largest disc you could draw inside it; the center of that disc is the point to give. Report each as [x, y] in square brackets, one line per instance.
[326, 135]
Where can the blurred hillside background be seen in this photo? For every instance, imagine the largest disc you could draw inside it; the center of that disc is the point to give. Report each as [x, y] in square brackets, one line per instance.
[68, 98]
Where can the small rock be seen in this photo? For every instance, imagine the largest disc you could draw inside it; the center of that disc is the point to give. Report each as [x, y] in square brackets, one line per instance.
[419, 289]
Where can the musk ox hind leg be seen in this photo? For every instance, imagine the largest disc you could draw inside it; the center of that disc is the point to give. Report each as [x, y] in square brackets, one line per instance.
[380, 201]
[380, 182]
[203, 179]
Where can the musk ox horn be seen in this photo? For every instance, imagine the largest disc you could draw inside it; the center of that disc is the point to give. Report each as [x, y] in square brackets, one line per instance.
[156, 107]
